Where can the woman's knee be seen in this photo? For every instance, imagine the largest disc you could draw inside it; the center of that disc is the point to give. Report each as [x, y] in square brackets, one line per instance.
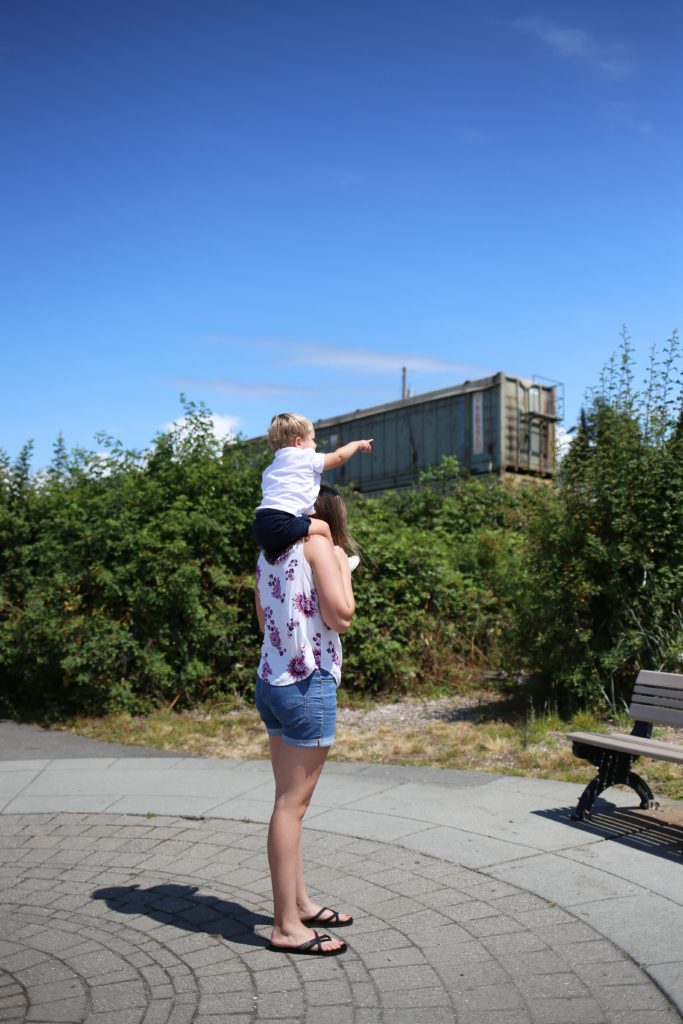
[295, 804]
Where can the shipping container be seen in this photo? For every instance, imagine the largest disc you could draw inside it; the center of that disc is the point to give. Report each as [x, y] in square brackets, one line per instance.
[496, 425]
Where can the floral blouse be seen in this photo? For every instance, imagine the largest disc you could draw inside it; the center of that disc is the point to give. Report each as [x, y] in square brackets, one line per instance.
[296, 641]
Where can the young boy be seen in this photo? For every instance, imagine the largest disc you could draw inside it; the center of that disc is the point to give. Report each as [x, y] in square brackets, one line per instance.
[292, 481]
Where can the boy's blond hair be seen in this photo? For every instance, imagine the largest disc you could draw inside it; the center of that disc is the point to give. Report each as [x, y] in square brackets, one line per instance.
[285, 427]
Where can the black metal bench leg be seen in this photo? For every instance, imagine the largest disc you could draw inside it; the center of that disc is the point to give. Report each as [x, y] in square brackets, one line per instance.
[647, 797]
[613, 769]
[588, 797]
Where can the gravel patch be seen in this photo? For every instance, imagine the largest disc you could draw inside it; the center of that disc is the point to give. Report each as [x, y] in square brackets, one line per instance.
[412, 712]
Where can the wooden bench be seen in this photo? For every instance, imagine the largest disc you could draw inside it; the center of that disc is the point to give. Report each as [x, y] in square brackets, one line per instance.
[658, 699]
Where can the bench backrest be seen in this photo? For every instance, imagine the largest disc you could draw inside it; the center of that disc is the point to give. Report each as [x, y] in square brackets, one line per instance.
[658, 697]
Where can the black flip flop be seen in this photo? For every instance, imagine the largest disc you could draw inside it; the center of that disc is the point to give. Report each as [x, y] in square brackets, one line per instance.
[334, 921]
[309, 948]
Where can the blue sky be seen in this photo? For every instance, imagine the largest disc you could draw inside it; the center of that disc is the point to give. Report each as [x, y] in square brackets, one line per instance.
[277, 204]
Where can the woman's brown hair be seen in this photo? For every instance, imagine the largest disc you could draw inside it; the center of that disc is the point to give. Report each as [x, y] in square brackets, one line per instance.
[329, 505]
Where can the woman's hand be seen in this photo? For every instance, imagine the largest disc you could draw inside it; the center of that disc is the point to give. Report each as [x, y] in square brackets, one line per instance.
[345, 569]
[342, 557]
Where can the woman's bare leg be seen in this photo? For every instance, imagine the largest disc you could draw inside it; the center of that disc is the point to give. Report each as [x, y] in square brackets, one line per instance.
[296, 771]
[303, 900]
[307, 906]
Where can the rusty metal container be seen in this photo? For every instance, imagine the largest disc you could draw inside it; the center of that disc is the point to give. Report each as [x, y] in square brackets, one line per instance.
[496, 425]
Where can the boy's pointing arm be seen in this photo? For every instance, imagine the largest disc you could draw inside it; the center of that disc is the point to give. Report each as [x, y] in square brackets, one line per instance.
[343, 454]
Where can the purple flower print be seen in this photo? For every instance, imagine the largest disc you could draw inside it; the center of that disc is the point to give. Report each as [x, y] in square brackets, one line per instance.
[275, 638]
[275, 588]
[291, 626]
[317, 652]
[297, 666]
[306, 604]
[283, 556]
[289, 574]
[332, 653]
[272, 631]
[266, 670]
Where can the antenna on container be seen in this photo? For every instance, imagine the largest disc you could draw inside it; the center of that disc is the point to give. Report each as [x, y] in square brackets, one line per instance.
[404, 383]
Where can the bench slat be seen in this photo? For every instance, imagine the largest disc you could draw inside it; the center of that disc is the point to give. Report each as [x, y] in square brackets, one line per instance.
[675, 694]
[637, 749]
[651, 700]
[657, 696]
[649, 713]
[631, 745]
[670, 680]
[628, 740]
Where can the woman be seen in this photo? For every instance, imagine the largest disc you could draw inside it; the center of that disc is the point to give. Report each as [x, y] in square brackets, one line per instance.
[304, 600]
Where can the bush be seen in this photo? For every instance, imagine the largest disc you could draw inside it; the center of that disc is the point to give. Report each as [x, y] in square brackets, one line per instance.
[125, 580]
[597, 591]
[427, 609]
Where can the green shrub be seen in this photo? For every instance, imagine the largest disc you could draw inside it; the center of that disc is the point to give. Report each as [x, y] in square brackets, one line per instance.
[427, 610]
[597, 591]
[124, 580]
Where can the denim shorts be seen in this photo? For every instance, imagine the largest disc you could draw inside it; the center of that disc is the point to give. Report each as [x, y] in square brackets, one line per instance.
[303, 713]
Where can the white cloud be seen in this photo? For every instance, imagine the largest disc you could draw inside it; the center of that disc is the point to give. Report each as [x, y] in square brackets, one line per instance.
[374, 362]
[563, 441]
[287, 353]
[103, 461]
[578, 44]
[228, 386]
[626, 115]
[224, 427]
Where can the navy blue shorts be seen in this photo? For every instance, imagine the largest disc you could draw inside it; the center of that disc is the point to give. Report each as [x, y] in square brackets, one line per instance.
[303, 713]
[275, 530]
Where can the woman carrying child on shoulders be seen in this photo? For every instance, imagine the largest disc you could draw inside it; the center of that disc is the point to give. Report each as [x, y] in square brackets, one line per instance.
[304, 600]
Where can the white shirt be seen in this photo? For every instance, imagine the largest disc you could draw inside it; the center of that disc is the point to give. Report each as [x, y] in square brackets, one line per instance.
[296, 641]
[292, 481]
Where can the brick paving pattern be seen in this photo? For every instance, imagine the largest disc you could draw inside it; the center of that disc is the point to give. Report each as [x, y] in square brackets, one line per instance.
[115, 919]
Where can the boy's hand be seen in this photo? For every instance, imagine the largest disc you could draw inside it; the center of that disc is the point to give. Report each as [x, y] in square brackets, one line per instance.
[337, 458]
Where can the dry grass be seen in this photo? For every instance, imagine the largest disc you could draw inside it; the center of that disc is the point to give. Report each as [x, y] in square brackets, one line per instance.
[482, 732]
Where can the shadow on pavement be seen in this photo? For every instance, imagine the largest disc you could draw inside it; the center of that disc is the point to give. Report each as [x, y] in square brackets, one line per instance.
[182, 907]
[630, 827]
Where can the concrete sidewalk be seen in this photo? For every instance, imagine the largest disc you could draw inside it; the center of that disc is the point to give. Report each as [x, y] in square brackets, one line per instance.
[476, 897]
